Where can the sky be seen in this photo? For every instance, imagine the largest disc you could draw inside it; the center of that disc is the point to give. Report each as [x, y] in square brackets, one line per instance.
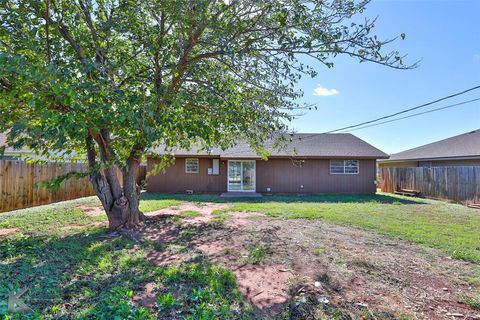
[445, 35]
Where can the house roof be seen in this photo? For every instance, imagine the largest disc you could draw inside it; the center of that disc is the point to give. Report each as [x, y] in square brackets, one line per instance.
[463, 146]
[8, 149]
[318, 145]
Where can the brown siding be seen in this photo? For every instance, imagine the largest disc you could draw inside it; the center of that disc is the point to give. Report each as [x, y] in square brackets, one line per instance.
[453, 163]
[174, 179]
[279, 174]
[283, 177]
[397, 164]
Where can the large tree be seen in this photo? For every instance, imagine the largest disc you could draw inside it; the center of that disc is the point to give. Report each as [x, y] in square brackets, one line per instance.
[108, 79]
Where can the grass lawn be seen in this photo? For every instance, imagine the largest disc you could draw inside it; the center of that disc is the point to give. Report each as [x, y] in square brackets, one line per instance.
[453, 228]
[73, 269]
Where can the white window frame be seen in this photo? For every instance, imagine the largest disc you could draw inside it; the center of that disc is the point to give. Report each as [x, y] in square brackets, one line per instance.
[186, 165]
[241, 180]
[344, 166]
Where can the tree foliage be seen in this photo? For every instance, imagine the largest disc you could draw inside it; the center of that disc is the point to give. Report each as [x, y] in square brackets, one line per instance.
[112, 78]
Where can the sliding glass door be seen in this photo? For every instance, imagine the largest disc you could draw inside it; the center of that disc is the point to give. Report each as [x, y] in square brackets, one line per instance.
[241, 175]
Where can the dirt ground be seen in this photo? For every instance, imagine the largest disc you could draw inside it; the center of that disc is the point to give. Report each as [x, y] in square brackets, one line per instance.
[315, 269]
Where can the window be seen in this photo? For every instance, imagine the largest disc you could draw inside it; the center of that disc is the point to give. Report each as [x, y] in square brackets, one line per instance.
[344, 166]
[215, 166]
[191, 166]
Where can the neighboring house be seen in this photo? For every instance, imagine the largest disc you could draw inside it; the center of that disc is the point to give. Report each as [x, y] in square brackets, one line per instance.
[461, 150]
[310, 163]
[11, 153]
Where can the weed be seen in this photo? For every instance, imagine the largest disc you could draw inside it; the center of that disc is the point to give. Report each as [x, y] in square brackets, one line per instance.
[256, 254]
[205, 291]
[319, 251]
[166, 302]
[472, 302]
[189, 214]
[219, 216]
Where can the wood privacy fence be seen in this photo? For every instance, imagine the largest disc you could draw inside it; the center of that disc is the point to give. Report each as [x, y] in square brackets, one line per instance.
[18, 184]
[458, 184]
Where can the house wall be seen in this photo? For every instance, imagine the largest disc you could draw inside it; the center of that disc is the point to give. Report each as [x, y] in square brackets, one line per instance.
[174, 179]
[453, 163]
[281, 175]
[397, 164]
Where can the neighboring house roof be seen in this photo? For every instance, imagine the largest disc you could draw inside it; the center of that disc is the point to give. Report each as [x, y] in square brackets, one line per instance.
[464, 146]
[10, 150]
[319, 145]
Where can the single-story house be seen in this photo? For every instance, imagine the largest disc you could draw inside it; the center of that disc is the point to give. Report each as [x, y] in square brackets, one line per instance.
[461, 150]
[11, 153]
[309, 163]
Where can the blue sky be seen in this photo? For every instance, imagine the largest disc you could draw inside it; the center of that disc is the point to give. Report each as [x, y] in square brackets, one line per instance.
[446, 36]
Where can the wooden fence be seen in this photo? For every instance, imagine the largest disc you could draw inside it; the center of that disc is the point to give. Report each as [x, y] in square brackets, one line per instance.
[458, 184]
[18, 187]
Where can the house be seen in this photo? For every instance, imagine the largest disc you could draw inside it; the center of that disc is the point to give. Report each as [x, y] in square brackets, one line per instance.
[309, 163]
[11, 153]
[461, 150]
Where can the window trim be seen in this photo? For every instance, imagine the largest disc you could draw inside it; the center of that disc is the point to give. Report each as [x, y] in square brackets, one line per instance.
[344, 166]
[198, 165]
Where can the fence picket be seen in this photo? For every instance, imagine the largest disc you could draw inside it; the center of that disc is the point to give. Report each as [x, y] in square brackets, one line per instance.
[458, 184]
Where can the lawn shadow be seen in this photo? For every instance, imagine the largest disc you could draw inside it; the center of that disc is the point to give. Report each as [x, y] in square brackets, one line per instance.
[95, 274]
[320, 198]
[83, 273]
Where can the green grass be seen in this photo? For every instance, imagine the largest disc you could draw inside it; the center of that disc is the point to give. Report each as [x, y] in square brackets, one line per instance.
[452, 228]
[449, 227]
[189, 214]
[204, 291]
[256, 254]
[81, 274]
[89, 276]
[152, 202]
[50, 217]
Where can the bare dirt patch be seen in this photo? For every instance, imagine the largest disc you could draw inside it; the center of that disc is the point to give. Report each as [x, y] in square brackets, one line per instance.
[8, 231]
[205, 210]
[309, 268]
[147, 297]
[92, 211]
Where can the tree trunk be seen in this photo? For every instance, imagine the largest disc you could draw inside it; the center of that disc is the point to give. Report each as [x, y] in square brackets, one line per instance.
[121, 203]
[122, 211]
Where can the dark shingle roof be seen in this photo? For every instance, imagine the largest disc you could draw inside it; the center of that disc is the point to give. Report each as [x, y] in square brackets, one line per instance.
[301, 145]
[8, 149]
[466, 145]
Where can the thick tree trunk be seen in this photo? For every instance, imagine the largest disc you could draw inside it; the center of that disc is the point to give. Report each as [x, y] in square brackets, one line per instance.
[123, 211]
[121, 203]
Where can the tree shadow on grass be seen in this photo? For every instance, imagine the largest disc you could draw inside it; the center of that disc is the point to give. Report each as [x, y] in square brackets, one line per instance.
[321, 198]
[91, 275]
[70, 275]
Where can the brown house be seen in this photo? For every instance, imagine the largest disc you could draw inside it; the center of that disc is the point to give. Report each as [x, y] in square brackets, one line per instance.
[461, 150]
[310, 163]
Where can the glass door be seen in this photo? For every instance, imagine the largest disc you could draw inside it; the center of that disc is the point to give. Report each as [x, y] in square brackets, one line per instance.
[234, 176]
[241, 175]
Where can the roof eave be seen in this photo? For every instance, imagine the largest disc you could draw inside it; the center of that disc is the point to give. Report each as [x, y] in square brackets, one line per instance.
[474, 157]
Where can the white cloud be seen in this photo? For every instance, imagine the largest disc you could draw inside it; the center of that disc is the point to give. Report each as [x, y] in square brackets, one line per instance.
[324, 92]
